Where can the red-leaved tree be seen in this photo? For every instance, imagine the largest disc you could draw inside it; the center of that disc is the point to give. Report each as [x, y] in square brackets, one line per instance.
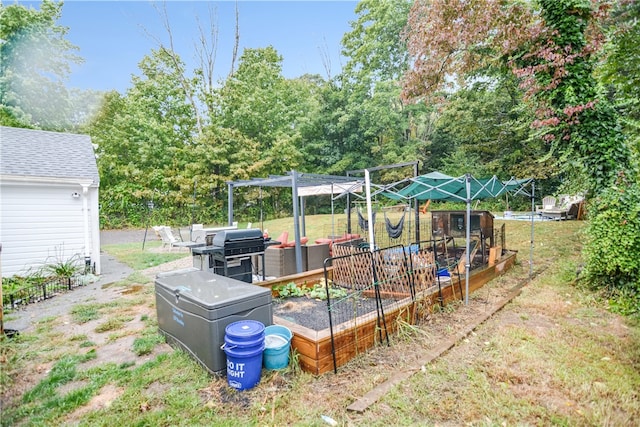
[550, 45]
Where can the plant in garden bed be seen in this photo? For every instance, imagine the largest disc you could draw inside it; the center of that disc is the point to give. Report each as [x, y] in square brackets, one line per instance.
[317, 291]
[63, 268]
[15, 283]
[289, 290]
[40, 283]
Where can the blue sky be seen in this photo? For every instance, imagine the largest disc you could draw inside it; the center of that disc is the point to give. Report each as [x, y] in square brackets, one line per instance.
[114, 36]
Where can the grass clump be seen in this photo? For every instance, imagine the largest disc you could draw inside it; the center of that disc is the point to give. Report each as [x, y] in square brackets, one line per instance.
[114, 323]
[84, 313]
[133, 255]
[145, 344]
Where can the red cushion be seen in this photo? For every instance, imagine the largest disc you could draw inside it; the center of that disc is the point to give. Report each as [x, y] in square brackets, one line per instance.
[283, 238]
[303, 240]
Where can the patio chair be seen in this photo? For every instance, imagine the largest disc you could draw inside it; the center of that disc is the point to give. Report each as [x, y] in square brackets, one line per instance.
[168, 239]
[548, 203]
[554, 210]
[283, 239]
[198, 233]
[156, 229]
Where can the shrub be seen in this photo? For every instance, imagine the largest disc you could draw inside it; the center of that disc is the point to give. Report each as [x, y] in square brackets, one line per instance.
[612, 250]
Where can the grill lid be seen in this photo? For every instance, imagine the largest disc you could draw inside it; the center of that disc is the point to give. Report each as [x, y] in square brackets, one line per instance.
[249, 235]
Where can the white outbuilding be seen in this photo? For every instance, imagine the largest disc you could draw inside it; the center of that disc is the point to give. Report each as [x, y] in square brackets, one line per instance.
[49, 186]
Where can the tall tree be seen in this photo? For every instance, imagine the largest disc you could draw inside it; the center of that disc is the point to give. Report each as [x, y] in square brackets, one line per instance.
[485, 129]
[260, 103]
[35, 60]
[375, 45]
[365, 122]
[141, 136]
[621, 70]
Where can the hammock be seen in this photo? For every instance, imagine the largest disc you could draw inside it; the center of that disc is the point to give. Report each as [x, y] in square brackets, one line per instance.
[394, 231]
[363, 222]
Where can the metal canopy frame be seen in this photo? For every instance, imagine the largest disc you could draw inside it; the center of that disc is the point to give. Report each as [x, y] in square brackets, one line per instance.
[366, 172]
[466, 188]
[296, 180]
[472, 189]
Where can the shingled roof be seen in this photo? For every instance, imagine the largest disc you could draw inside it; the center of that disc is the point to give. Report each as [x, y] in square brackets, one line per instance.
[37, 153]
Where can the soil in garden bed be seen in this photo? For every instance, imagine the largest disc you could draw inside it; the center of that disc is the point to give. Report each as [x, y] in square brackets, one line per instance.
[313, 313]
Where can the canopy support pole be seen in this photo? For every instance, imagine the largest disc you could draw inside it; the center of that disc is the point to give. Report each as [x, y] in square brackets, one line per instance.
[302, 211]
[417, 206]
[230, 204]
[468, 260]
[296, 220]
[533, 207]
[333, 228]
[261, 211]
[367, 182]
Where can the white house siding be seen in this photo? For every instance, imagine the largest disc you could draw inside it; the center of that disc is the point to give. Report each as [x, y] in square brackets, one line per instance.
[44, 224]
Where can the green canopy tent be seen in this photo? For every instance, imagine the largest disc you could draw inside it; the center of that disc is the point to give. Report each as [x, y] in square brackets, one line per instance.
[465, 188]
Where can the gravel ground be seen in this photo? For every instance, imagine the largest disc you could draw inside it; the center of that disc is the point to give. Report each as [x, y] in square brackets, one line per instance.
[313, 313]
[304, 311]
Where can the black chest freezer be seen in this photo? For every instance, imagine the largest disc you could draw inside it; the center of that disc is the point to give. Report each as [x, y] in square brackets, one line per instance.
[195, 306]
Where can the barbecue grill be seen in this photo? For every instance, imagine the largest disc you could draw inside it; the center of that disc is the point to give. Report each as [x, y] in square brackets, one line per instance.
[231, 252]
[239, 242]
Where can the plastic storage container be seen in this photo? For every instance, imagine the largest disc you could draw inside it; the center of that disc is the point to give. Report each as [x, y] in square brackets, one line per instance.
[194, 308]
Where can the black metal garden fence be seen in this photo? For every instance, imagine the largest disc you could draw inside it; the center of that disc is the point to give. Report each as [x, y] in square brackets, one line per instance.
[42, 291]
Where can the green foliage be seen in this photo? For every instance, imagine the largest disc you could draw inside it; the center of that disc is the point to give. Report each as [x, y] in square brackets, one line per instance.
[114, 323]
[145, 344]
[621, 70]
[622, 66]
[484, 130]
[12, 284]
[578, 121]
[63, 268]
[317, 291]
[361, 120]
[84, 313]
[374, 46]
[612, 250]
[62, 372]
[35, 61]
[290, 290]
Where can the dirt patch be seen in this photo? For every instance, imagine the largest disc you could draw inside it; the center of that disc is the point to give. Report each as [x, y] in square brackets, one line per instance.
[114, 346]
[102, 400]
[313, 313]
[152, 272]
[536, 322]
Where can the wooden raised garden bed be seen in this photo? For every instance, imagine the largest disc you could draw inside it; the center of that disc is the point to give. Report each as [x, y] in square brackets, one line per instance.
[314, 348]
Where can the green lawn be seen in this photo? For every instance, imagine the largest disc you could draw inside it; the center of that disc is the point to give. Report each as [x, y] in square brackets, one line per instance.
[554, 356]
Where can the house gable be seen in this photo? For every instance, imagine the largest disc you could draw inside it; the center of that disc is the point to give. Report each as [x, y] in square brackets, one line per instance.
[36, 153]
[49, 186]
